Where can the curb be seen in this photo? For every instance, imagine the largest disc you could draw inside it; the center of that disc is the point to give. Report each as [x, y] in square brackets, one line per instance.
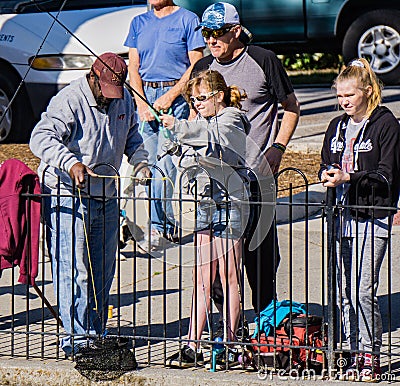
[18, 372]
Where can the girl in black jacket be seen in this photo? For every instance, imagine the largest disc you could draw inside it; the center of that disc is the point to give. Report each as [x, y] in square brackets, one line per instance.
[360, 158]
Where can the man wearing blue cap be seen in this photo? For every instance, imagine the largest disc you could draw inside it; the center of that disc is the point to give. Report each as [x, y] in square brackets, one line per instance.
[260, 73]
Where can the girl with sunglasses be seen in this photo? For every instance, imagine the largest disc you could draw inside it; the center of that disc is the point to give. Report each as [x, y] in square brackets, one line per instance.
[213, 153]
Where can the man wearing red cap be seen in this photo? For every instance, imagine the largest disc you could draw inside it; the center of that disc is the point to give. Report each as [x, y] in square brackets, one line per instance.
[81, 139]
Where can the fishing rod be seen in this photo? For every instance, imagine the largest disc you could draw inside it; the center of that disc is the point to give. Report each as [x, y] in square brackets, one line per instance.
[4, 114]
[56, 20]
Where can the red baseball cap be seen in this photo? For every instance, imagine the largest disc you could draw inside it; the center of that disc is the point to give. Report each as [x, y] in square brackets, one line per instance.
[112, 71]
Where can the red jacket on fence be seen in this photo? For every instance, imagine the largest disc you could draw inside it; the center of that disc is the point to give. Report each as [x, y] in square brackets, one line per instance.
[16, 212]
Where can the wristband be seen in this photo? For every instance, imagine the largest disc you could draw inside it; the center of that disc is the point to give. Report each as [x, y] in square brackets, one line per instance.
[279, 146]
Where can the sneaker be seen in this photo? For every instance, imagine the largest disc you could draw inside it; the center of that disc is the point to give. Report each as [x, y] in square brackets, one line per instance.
[186, 357]
[352, 373]
[172, 237]
[371, 371]
[159, 241]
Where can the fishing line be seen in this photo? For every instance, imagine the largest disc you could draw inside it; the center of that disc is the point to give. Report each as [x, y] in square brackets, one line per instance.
[30, 64]
[88, 252]
[95, 55]
[225, 311]
[204, 292]
[56, 20]
[86, 232]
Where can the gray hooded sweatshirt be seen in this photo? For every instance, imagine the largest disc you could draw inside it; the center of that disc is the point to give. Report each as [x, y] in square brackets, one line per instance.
[218, 145]
[74, 129]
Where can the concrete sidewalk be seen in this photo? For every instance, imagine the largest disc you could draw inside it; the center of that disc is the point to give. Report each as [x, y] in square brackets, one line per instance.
[18, 372]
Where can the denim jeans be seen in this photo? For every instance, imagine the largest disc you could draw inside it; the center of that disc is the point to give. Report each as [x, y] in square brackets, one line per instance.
[226, 221]
[81, 280]
[154, 139]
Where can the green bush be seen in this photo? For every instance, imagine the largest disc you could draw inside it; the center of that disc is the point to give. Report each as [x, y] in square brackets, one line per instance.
[307, 62]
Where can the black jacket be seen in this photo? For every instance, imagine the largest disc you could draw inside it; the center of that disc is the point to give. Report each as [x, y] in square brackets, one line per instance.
[378, 150]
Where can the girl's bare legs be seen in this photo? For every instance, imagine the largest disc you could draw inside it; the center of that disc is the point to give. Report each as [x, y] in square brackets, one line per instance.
[207, 260]
[229, 268]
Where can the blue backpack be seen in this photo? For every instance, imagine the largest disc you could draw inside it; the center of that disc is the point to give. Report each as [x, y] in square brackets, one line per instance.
[274, 313]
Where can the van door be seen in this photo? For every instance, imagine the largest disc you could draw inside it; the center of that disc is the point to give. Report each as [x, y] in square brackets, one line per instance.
[274, 20]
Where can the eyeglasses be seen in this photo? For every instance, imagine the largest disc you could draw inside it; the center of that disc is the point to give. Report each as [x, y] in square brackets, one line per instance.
[203, 97]
[215, 33]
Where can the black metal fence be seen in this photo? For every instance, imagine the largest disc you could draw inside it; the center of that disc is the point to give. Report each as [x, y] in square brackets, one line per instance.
[150, 298]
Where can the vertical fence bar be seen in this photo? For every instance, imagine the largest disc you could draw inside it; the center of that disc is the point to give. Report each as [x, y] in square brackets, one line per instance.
[13, 310]
[118, 262]
[164, 270]
[323, 268]
[28, 270]
[101, 312]
[56, 257]
[180, 260]
[306, 267]
[389, 279]
[149, 280]
[134, 271]
[73, 262]
[43, 272]
[165, 292]
[178, 180]
[332, 293]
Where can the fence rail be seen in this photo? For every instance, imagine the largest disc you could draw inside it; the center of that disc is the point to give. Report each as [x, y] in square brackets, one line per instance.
[151, 292]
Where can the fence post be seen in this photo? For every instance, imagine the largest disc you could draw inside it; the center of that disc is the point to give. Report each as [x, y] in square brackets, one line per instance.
[331, 277]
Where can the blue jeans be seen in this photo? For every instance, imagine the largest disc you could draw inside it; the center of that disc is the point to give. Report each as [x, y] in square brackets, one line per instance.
[81, 281]
[154, 139]
[226, 221]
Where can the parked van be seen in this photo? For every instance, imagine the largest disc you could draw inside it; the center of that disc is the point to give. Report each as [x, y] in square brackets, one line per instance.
[353, 28]
[43, 47]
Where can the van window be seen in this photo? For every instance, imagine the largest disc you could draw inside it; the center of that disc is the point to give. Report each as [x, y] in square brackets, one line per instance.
[35, 6]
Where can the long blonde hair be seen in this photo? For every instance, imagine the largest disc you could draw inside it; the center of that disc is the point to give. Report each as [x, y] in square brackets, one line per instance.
[214, 81]
[360, 70]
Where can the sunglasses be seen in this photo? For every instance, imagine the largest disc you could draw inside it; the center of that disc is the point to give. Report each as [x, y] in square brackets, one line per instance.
[215, 33]
[203, 97]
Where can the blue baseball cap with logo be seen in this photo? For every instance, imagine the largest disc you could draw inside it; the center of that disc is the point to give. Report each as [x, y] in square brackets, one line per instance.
[219, 15]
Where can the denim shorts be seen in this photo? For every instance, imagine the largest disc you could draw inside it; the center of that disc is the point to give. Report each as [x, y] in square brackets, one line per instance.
[225, 220]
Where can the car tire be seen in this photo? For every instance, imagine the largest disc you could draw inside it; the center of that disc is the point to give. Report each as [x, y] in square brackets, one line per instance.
[17, 124]
[376, 37]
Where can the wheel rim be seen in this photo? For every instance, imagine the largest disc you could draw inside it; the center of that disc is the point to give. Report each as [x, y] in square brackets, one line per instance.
[380, 45]
[5, 121]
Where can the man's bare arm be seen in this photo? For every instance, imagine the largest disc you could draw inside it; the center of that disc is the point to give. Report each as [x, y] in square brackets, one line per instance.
[166, 100]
